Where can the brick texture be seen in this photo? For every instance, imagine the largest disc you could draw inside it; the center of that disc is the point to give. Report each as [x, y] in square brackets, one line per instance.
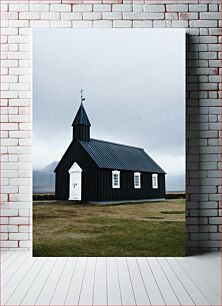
[201, 18]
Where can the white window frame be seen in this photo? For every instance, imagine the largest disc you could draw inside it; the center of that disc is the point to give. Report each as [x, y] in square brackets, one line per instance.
[137, 175]
[114, 185]
[155, 181]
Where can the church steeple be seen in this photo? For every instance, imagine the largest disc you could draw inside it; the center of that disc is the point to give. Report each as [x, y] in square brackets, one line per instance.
[81, 124]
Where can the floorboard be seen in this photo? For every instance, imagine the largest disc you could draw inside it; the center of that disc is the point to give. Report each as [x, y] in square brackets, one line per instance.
[37, 285]
[86, 294]
[166, 288]
[113, 285]
[4, 255]
[180, 291]
[211, 260]
[14, 269]
[100, 283]
[28, 280]
[208, 292]
[126, 288]
[23, 286]
[140, 291]
[189, 284]
[48, 290]
[152, 287]
[210, 276]
[11, 261]
[75, 286]
[62, 288]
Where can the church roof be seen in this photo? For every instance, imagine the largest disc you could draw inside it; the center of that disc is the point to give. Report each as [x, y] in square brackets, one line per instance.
[81, 117]
[111, 155]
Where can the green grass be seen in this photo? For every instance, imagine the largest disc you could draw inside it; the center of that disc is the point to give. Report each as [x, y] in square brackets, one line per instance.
[124, 230]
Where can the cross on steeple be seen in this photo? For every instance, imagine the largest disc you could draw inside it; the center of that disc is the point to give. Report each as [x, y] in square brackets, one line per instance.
[81, 95]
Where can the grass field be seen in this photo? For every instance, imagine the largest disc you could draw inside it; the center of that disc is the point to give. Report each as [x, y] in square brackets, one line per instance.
[148, 229]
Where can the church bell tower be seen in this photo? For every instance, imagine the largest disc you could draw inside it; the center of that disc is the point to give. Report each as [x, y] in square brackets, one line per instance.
[81, 124]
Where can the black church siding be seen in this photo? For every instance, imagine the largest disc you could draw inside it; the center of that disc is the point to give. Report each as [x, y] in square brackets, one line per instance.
[75, 153]
[81, 132]
[127, 190]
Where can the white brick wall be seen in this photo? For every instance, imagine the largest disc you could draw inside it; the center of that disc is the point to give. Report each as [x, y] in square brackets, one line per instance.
[201, 18]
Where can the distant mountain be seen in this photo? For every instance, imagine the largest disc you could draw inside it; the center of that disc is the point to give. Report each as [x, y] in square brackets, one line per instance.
[50, 168]
[44, 179]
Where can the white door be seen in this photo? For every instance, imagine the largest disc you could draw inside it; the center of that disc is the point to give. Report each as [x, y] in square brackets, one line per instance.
[75, 183]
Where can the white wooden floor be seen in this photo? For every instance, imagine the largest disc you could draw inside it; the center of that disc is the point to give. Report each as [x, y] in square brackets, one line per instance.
[27, 280]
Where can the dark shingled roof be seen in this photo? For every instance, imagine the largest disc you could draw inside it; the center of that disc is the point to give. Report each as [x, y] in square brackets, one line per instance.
[121, 157]
[81, 117]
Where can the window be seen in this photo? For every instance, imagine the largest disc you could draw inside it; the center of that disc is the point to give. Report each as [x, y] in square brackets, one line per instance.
[155, 181]
[137, 180]
[116, 179]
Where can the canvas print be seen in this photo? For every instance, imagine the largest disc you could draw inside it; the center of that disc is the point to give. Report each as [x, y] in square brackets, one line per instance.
[109, 142]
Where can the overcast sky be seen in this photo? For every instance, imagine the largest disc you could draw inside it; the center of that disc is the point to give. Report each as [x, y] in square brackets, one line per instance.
[134, 85]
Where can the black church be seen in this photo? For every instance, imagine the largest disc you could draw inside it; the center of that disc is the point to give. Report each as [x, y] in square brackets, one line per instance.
[105, 172]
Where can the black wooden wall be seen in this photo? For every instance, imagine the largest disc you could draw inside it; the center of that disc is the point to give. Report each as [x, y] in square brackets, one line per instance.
[81, 132]
[127, 190]
[97, 183]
